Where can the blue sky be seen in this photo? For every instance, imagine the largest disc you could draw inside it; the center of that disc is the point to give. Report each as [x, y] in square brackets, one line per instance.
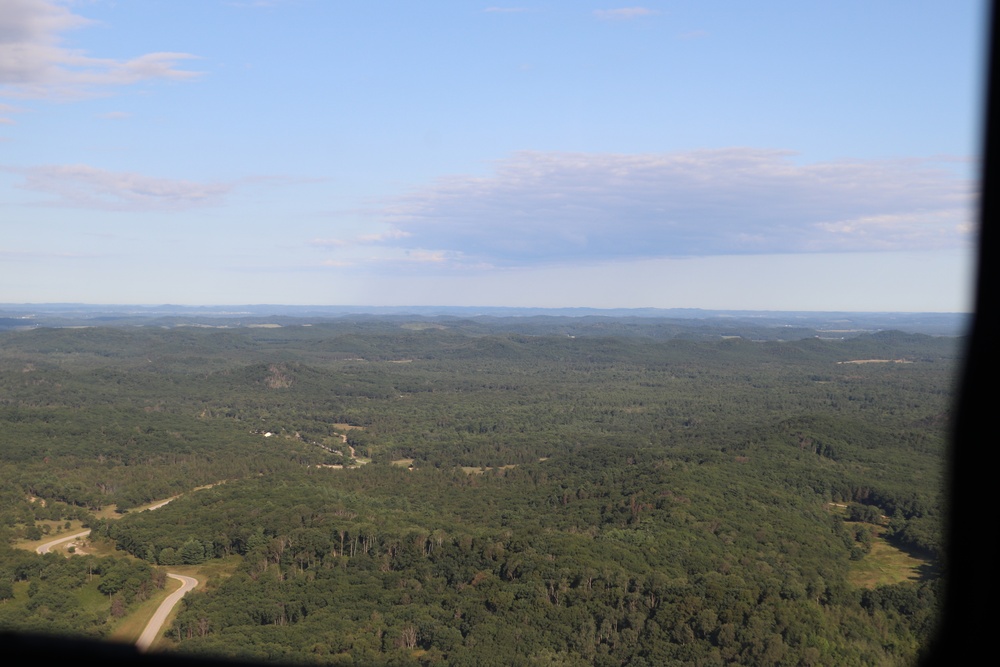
[732, 155]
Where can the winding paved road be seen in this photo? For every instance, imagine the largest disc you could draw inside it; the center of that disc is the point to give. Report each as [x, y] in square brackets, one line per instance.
[155, 624]
[160, 617]
[45, 548]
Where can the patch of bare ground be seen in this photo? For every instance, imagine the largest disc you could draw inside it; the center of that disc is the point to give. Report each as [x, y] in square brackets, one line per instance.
[422, 326]
[877, 361]
[276, 378]
[479, 470]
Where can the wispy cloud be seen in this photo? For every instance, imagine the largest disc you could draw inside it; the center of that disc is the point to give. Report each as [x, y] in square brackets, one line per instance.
[623, 13]
[259, 3]
[34, 256]
[7, 109]
[362, 239]
[83, 186]
[34, 64]
[545, 208]
[115, 115]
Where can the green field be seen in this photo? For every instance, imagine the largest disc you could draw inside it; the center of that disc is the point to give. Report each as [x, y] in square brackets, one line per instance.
[887, 564]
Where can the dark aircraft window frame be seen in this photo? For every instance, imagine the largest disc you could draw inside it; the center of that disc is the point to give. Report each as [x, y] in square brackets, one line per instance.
[971, 588]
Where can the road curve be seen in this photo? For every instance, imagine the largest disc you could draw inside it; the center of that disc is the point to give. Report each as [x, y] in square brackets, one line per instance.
[158, 505]
[160, 617]
[44, 548]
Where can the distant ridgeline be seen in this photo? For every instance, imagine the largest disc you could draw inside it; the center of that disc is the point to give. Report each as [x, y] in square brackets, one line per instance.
[423, 489]
[646, 322]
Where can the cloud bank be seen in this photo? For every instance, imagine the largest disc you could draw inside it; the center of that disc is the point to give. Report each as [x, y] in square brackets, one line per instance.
[548, 208]
[34, 64]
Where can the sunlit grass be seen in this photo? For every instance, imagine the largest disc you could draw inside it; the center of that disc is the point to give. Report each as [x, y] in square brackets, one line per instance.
[886, 564]
[478, 470]
[103, 547]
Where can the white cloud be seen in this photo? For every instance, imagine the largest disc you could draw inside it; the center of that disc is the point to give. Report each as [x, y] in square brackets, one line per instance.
[34, 64]
[83, 186]
[426, 256]
[544, 208]
[383, 236]
[115, 115]
[623, 13]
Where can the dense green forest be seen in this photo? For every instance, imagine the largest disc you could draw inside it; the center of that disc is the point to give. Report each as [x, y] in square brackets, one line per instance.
[400, 493]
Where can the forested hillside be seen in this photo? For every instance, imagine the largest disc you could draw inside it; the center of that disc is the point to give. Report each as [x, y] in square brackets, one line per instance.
[411, 494]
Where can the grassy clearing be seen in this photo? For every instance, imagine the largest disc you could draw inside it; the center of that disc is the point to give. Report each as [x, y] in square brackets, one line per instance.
[108, 512]
[211, 571]
[91, 598]
[888, 565]
[885, 564]
[103, 547]
[473, 470]
[402, 463]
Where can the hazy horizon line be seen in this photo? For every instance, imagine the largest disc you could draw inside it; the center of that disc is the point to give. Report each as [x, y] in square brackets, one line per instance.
[371, 307]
